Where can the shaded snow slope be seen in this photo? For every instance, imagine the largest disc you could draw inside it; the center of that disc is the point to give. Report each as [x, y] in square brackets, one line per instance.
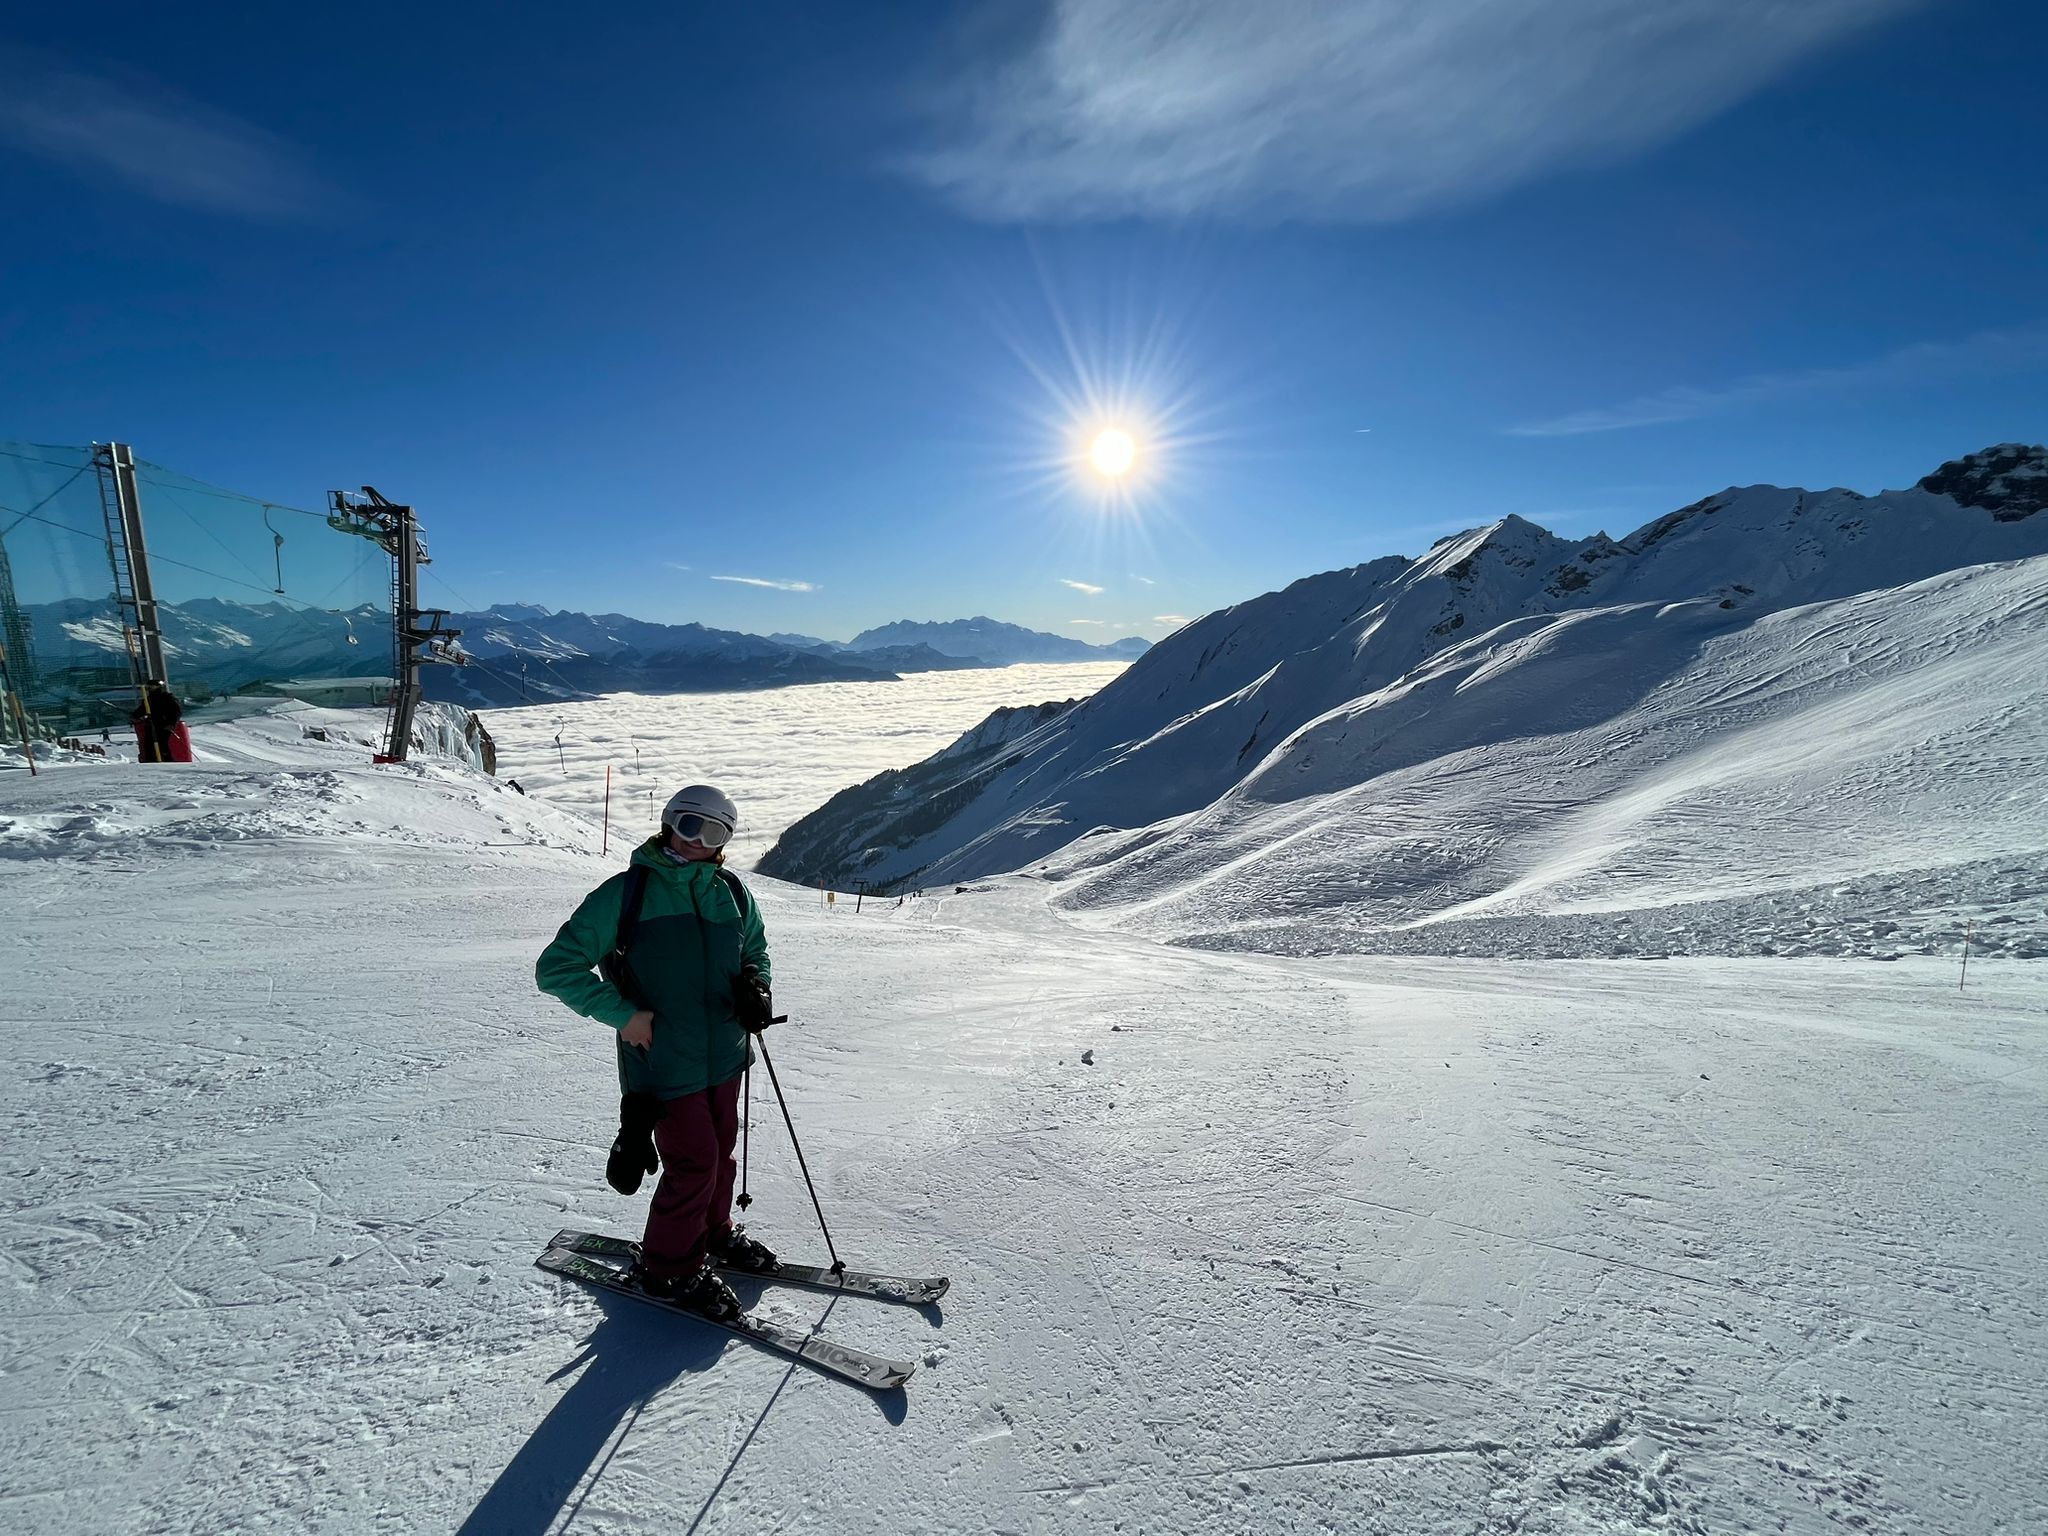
[1511, 642]
[1889, 750]
[1374, 1246]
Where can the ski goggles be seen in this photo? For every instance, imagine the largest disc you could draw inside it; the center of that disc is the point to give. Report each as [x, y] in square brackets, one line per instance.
[704, 831]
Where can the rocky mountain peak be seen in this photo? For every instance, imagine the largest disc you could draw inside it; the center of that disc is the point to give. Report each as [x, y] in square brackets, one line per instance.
[2009, 480]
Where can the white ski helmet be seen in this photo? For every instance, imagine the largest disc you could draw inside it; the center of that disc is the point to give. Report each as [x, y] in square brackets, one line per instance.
[701, 800]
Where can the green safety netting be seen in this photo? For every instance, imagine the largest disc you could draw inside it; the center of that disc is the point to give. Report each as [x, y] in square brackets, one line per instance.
[254, 597]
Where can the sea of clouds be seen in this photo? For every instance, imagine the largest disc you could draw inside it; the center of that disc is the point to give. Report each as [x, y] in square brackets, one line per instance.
[780, 752]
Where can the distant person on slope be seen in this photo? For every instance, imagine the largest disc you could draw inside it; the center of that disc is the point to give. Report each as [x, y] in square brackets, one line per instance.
[159, 721]
[693, 982]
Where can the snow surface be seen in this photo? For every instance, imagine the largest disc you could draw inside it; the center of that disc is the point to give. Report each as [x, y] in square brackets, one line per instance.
[1349, 1244]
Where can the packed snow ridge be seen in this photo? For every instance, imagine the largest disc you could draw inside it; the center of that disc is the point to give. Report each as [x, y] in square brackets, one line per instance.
[1772, 722]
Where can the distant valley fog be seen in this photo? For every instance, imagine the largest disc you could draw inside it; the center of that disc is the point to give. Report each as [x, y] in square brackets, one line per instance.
[778, 752]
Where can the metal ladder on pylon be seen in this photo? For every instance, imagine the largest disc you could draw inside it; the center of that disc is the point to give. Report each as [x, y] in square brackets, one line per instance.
[122, 564]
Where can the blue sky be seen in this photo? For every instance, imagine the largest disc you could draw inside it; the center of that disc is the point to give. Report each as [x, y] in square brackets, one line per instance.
[828, 296]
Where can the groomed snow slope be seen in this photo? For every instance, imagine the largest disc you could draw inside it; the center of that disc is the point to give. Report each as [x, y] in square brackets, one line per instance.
[1348, 1245]
[1865, 776]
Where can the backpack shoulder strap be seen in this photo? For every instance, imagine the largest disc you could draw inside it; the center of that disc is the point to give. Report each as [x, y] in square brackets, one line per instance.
[630, 897]
[740, 898]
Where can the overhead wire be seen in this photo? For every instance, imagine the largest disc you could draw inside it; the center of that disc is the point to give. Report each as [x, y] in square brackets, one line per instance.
[98, 536]
[69, 450]
[193, 482]
[170, 494]
[31, 512]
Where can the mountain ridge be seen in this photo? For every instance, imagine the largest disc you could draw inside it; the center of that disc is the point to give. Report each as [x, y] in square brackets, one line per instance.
[993, 641]
[1213, 708]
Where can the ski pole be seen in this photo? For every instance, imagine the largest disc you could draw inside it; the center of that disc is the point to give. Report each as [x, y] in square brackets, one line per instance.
[746, 1133]
[838, 1264]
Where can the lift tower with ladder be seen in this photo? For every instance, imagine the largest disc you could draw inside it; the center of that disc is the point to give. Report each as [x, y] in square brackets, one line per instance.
[417, 634]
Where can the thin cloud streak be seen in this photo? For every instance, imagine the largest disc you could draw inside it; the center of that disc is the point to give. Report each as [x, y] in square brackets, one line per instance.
[773, 586]
[1343, 110]
[1989, 352]
[157, 142]
[1082, 586]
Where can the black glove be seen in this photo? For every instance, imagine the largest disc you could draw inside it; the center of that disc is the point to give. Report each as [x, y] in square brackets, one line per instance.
[752, 1003]
[633, 1149]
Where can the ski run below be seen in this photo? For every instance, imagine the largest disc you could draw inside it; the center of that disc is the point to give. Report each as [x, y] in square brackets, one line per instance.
[1238, 1242]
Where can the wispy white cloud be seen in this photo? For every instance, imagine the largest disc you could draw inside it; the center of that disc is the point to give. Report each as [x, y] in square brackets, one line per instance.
[1081, 586]
[672, 565]
[774, 586]
[1169, 618]
[1988, 352]
[1146, 580]
[158, 142]
[1366, 110]
[1096, 623]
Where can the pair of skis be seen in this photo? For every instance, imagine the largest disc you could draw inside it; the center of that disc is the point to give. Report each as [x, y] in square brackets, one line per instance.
[579, 1254]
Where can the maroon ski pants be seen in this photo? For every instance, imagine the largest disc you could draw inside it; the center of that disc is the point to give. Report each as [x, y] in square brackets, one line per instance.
[694, 1136]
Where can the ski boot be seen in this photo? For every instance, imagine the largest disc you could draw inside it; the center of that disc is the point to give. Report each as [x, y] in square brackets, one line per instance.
[733, 1249]
[702, 1292]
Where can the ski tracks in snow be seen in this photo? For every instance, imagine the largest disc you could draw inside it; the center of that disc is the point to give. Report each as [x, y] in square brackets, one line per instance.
[1376, 1246]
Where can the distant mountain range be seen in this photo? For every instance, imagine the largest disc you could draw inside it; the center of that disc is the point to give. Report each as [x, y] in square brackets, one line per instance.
[527, 653]
[993, 643]
[1375, 745]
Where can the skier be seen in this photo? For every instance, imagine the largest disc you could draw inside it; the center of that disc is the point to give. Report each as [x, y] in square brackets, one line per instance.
[694, 982]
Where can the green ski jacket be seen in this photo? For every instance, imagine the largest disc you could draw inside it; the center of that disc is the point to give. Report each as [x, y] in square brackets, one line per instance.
[689, 945]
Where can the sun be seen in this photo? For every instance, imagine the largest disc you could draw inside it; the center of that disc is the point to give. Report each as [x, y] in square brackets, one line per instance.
[1113, 452]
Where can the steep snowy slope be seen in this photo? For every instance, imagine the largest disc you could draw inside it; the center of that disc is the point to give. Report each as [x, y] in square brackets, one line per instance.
[1856, 776]
[1530, 636]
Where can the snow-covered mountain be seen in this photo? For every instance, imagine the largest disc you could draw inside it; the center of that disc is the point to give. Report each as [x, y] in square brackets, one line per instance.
[1390, 756]
[906, 801]
[993, 642]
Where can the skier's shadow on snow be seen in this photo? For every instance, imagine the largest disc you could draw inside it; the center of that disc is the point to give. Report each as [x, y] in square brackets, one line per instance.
[629, 1357]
